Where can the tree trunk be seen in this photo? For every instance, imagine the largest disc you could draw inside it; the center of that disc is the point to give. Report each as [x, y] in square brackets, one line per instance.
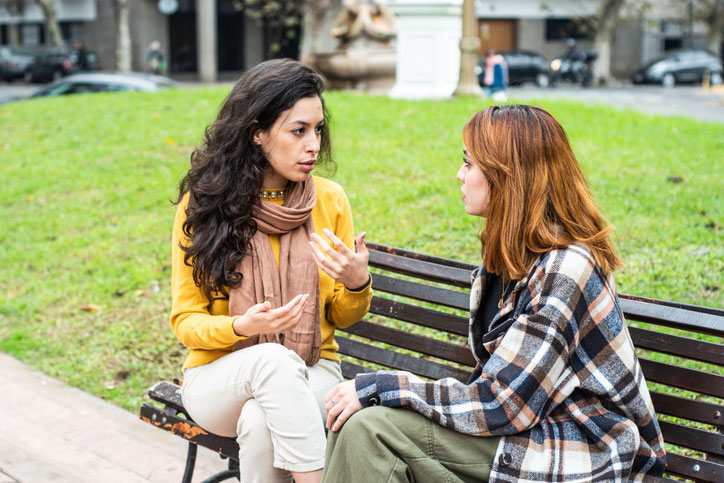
[715, 36]
[123, 37]
[14, 34]
[604, 36]
[51, 22]
[15, 8]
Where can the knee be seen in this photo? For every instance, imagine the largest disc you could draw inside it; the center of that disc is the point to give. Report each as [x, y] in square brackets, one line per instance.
[276, 357]
[367, 421]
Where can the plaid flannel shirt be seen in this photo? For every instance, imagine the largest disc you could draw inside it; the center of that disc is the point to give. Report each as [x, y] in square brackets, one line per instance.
[562, 387]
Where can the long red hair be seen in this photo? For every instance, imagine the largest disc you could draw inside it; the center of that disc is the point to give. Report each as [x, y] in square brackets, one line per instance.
[539, 198]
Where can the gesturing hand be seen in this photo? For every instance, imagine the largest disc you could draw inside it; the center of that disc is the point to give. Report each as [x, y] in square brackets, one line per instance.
[342, 264]
[262, 319]
[341, 403]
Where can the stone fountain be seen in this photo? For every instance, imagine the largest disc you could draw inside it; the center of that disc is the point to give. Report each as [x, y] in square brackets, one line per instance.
[365, 57]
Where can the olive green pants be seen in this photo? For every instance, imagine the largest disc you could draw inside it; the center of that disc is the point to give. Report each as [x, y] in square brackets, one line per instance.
[383, 445]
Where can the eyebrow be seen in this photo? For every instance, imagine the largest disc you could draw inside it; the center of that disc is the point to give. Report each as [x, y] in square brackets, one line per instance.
[304, 123]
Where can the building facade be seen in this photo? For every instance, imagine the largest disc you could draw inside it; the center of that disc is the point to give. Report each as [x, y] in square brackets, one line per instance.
[236, 42]
[544, 26]
[240, 42]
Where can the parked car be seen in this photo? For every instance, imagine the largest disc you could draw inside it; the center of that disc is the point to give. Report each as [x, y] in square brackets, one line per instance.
[680, 67]
[14, 61]
[52, 63]
[523, 66]
[105, 82]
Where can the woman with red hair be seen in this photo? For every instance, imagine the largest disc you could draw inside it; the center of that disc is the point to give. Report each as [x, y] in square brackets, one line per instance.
[558, 393]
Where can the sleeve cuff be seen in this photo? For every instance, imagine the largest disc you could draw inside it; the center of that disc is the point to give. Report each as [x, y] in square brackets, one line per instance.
[366, 388]
[363, 287]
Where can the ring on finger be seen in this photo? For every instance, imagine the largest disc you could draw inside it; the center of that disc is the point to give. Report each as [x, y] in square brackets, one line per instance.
[333, 401]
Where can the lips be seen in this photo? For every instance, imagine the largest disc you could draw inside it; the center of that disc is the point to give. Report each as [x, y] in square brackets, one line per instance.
[308, 166]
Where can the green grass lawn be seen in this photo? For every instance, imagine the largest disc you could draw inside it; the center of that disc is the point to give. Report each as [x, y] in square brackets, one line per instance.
[86, 212]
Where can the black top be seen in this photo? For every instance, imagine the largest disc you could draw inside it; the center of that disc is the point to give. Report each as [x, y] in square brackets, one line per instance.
[488, 309]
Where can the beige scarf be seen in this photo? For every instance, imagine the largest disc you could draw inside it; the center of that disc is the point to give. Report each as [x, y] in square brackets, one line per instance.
[297, 272]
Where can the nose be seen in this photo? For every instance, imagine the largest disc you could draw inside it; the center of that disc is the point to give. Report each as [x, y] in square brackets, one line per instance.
[461, 174]
[313, 143]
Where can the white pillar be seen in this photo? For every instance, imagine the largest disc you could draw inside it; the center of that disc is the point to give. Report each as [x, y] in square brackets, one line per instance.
[428, 48]
[206, 40]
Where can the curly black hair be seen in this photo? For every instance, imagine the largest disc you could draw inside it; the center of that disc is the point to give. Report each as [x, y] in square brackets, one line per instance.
[227, 170]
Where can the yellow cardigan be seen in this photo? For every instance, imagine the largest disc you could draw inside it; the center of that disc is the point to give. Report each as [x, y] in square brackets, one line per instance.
[206, 331]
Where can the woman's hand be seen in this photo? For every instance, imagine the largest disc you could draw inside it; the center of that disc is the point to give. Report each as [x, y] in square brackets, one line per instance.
[341, 403]
[262, 319]
[342, 264]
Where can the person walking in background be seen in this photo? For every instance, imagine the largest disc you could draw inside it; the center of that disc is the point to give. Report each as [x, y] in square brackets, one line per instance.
[83, 61]
[557, 393]
[496, 76]
[156, 61]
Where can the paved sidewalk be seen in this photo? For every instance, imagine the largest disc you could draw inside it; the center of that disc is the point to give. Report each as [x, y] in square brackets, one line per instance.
[53, 433]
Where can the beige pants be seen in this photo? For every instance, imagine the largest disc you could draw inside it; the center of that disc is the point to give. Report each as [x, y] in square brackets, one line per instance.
[273, 404]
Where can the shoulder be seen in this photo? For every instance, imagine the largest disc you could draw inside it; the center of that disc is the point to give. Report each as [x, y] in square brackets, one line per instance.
[329, 192]
[570, 260]
[570, 269]
[181, 216]
[565, 268]
[327, 186]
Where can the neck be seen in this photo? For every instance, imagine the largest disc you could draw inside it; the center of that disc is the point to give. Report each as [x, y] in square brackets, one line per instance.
[273, 181]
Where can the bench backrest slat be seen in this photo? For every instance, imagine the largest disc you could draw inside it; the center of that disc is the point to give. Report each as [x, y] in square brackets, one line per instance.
[422, 292]
[683, 377]
[350, 369]
[689, 348]
[433, 347]
[691, 409]
[673, 317]
[432, 319]
[678, 305]
[403, 362]
[432, 272]
[448, 262]
[686, 466]
[692, 438]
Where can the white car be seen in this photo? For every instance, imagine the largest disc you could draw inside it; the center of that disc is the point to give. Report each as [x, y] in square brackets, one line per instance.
[105, 82]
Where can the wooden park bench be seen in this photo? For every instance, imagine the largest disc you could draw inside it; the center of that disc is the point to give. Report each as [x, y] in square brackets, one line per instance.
[418, 322]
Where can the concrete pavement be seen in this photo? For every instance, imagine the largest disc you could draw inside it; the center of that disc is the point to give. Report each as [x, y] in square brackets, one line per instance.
[53, 433]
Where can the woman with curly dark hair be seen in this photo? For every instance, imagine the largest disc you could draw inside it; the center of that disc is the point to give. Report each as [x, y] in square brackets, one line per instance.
[257, 290]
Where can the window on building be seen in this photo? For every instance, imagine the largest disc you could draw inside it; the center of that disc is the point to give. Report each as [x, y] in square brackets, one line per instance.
[569, 28]
[32, 34]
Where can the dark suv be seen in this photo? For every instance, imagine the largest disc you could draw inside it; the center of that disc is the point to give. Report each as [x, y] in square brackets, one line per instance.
[52, 63]
[14, 61]
[523, 66]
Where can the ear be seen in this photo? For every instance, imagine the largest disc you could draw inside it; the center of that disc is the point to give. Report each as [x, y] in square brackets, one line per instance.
[256, 137]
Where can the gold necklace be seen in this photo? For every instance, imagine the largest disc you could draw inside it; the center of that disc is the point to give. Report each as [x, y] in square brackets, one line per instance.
[502, 295]
[273, 194]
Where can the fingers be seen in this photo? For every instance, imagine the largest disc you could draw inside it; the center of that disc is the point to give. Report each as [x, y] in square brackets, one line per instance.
[360, 243]
[325, 251]
[338, 244]
[259, 308]
[341, 403]
[342, 418]
[289, 315]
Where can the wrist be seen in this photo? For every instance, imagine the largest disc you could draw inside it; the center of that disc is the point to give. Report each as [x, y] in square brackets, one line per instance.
[238, 325]
[358, 287]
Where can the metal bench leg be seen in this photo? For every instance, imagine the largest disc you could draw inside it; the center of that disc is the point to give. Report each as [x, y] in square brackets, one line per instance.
[190, 463]
[222, 476]
[232, 472]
